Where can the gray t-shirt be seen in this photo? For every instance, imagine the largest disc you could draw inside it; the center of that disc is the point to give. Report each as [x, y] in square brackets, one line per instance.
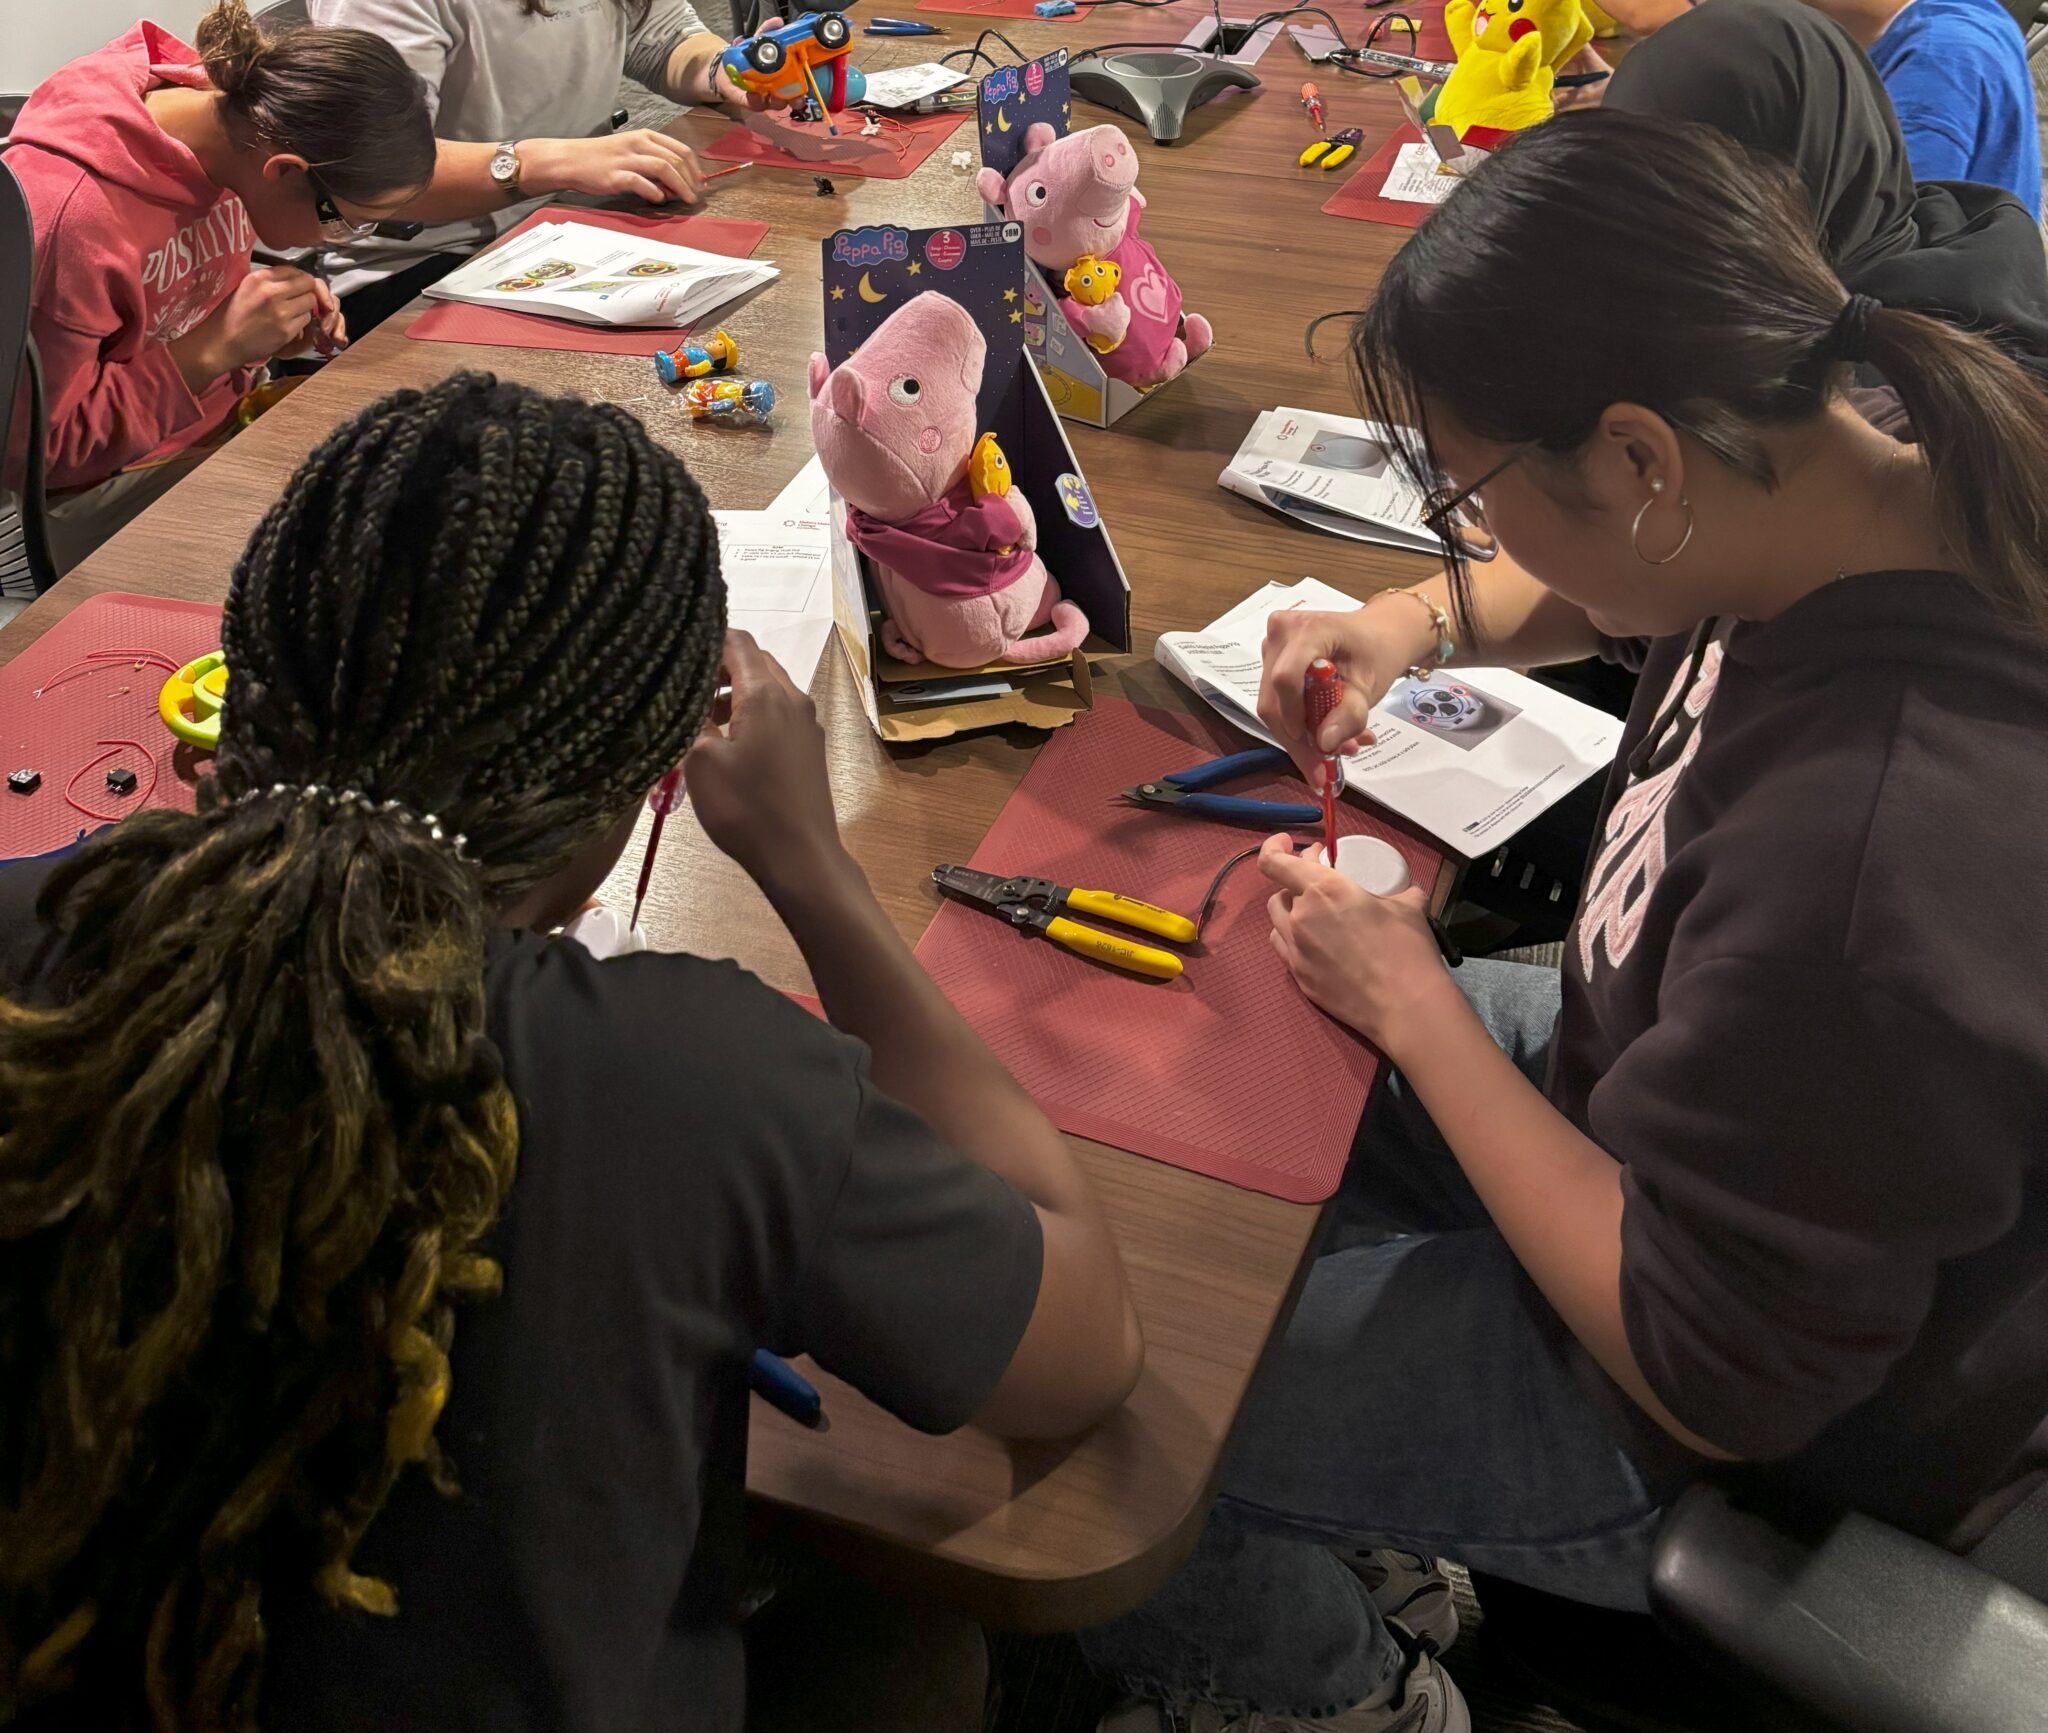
[495, 72]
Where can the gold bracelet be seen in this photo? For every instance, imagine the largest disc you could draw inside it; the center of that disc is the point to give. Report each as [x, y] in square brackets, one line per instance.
[1446, 645]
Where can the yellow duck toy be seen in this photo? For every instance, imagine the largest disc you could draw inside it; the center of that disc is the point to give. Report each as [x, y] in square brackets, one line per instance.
[1092, 281]
[988, 470]
[1508, 52]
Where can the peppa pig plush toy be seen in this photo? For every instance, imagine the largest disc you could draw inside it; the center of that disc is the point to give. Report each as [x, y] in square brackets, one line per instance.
[1077, 198]
[951, 540]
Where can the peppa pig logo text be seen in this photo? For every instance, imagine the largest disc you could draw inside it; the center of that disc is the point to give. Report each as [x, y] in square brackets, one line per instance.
[1000, 85]
[865, 248]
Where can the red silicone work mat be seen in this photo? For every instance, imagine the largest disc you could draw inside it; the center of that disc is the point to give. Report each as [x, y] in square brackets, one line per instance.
[1359, 197]
[456, 322]
[905, 145]
[1227, 1071]
[80, 701]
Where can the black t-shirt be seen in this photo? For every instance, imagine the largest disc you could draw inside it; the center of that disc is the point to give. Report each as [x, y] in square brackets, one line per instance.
[703, 1169]
[1804, 1009]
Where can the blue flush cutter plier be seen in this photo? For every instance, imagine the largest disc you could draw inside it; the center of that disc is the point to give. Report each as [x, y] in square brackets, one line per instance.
[1187, 792]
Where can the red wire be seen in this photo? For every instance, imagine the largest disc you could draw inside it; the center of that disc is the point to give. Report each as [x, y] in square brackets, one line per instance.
[135, 801]
[94, 660]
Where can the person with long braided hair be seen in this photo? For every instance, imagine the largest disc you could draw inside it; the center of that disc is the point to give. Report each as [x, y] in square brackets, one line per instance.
[377, 1274]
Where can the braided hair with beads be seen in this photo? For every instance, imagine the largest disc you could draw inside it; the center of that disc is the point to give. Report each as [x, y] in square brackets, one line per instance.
[252, 1129]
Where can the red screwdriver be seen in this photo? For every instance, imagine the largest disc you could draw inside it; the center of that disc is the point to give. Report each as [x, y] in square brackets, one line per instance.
[1321, 692]
[667, 796]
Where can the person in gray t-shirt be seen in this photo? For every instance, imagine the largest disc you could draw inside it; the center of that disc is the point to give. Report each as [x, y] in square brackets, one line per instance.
[523, 97]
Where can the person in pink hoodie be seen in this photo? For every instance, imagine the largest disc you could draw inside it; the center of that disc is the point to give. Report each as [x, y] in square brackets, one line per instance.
[151, 169]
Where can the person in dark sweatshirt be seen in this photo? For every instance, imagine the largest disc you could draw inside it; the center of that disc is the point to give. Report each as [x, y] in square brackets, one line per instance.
[1755, 1183]
[151, 169]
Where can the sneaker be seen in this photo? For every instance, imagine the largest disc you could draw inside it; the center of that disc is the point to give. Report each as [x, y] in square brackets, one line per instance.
[1409, 1588]
[1427, 1702]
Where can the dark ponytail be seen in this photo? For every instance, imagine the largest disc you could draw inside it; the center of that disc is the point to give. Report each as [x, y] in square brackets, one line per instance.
[1614, 258]
[251, 1144]
[1982, 421]
[345, 100]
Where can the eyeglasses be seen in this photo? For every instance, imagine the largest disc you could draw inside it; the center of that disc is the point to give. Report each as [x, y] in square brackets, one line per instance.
[333, 225]
[1460, 514]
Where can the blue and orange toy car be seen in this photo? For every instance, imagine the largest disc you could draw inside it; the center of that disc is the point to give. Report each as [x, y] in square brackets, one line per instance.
[804, 58]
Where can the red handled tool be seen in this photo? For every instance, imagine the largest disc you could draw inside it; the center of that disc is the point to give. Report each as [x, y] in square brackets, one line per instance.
[1312, 100]
[1321, 692]
[667, 796]
[668, 792]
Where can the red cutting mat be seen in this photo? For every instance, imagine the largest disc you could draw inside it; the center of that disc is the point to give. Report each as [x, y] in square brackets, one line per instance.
[1227, 1071]
[63, 696]
[906, 144]
[1359, 197]
[454, 322]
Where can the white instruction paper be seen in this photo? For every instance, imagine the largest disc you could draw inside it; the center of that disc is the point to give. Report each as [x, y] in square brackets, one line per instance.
[1333, 473]
[1415, 179]
[778, 583]
[593, 276]
[906, 86]
[1469, 755]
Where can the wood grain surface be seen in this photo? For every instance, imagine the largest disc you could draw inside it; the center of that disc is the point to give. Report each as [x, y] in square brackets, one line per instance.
[1034, 1537]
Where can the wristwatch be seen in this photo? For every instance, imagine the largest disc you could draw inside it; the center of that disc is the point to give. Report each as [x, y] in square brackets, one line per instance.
[505, 169]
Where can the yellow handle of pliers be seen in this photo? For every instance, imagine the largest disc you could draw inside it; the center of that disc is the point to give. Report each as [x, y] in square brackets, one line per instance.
[1118, 953]
[1129, 912]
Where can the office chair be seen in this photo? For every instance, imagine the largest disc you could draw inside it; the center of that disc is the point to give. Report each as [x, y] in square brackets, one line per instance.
[26, 566]
[1766, 1620]
[1854, 1624]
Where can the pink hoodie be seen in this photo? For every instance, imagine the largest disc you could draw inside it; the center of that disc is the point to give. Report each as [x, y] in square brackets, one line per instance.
[134, 247]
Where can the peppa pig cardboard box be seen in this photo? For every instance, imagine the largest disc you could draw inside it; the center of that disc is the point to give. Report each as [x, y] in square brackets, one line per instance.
[1012, 99]
[867, 273]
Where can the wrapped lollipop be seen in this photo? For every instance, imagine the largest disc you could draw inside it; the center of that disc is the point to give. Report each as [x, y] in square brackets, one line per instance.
[736, 402]
[698, 358]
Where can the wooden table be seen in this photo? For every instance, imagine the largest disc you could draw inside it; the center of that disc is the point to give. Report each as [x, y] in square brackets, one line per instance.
[1026, 1536]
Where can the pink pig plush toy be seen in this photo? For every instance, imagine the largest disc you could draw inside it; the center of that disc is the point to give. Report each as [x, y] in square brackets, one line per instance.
[953, 556]
[1077, 198]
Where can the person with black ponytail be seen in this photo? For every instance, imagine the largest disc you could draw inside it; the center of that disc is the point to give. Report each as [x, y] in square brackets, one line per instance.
[378, 1275]
[1753, 1185]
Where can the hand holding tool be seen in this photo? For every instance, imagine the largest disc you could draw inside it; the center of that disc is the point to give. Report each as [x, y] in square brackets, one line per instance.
[1321, 691]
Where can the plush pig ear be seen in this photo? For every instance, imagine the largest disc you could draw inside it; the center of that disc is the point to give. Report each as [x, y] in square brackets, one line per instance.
[818, 371]
[990, 185]
[1038, 135]
[845, 395]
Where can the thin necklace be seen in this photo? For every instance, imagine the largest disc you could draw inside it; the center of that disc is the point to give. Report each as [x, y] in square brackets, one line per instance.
[1877, 516]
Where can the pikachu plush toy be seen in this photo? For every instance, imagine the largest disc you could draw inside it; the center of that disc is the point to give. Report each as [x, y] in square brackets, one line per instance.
[1508, 55]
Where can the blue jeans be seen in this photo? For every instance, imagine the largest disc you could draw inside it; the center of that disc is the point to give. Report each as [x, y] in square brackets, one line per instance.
[1420, 1398]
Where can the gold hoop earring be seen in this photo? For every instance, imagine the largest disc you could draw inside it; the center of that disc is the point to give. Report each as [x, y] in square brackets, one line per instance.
[1635, 534]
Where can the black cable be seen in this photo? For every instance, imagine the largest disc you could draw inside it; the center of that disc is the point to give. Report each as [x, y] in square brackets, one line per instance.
[1308, 337]
[978, 52]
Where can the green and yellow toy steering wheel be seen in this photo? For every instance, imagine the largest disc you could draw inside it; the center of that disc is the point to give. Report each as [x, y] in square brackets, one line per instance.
[190, 703]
